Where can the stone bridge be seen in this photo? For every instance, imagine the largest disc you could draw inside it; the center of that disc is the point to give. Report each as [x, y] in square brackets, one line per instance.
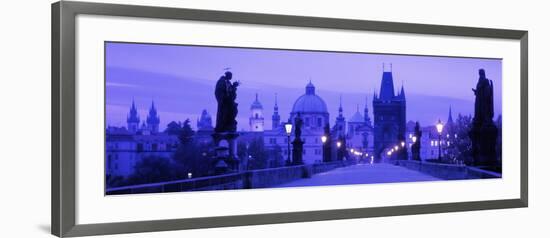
[332, 173]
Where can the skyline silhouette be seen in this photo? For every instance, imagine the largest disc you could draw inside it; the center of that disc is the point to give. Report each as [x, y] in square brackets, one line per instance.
[180, 80]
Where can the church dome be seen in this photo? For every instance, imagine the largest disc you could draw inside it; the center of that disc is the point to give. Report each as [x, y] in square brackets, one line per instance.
[310, 102]
[357, 117]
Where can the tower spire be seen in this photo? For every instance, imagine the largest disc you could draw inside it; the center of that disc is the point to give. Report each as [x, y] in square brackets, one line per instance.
[132, 119]
[450, 118]
[340, 109]
[402, 93]
[366, 112]
[153, 119]
[275, 118]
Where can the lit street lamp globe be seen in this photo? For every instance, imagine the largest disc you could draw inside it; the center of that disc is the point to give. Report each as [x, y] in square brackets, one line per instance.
[439, 126]
[288, 128]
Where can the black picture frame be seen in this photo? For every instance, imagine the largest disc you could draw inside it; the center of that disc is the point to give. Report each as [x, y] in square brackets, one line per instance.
[64, 121]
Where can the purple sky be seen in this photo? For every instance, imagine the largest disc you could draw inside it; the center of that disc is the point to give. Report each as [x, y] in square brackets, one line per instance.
[181, 80]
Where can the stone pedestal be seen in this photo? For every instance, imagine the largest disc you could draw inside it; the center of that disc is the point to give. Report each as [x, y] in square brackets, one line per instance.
[297, 151]
[226, 152]
[484, 140]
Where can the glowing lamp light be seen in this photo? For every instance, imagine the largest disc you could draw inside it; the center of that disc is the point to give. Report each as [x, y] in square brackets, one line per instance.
[352, 150]
[414, 139]
[338, 144]
[389, 152]
[402, 143]
[324, 139]
[396, 147]
[189, 175]
[439, 126]
[288, 128]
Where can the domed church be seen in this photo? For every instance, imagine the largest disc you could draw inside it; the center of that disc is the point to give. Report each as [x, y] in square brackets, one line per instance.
[313, 111]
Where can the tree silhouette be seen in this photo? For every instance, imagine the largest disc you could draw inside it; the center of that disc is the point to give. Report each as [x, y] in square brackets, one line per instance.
[461, 147]
[173, 128]
[257, 154]
[152, 169]
[190, 156]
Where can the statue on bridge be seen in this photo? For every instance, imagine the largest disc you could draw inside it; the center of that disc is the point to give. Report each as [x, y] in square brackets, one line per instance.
[226, 93]
[226, 125]
[415, 148]
[484, 131]
[297, 144]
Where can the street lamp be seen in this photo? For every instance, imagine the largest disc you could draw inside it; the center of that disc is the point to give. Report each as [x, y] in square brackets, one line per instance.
[402, 143]
[326, 149]
[338, 144]
[288, 130]
[439, 127]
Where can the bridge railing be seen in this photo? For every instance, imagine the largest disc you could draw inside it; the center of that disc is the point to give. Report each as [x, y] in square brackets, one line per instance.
[447, 171]
[262, 178]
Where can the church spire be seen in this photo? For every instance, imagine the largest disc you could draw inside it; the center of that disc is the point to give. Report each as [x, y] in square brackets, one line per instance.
[276, 106]
[402, 93]
[153, 120]
[275, 118]
[366, 111]
[340, 109]
[450, 118]
[340, 125]
[310, 88]
[132, 119]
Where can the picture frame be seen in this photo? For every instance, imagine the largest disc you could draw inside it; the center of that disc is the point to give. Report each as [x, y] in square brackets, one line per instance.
[63, 79]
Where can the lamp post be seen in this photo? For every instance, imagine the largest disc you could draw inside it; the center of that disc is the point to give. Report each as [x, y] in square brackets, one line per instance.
[414, 148]
[288, 130]
[339, 153]
[439, 127]
[325, 152]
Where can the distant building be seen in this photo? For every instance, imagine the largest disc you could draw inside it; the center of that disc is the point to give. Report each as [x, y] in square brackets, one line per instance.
[125, 147]
[204, 128]
[275, 118]
[153, 120]
[389, 115]
[313, 111]
[256, 120]
[429, 144]
[339, 129]
[360, 132]
[132, 119]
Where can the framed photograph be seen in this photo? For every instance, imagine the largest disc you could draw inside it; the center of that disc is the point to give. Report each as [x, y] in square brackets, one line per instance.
[167, 119]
